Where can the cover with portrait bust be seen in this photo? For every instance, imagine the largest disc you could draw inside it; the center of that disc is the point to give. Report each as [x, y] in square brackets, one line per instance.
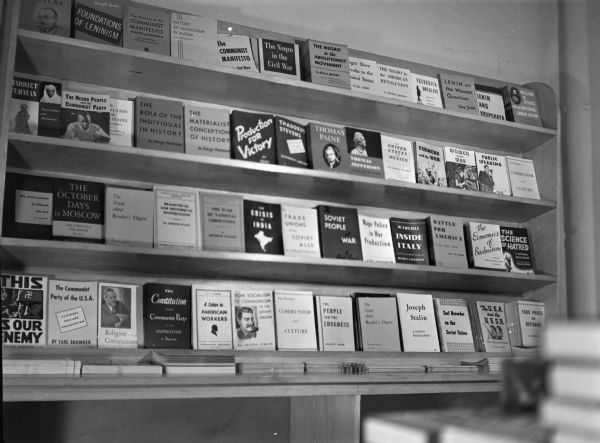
[51, 17]
[211, 318]
[327, 147]
[119, 316]
[167, 316]
[364, 148]
[520, 105]
[85, 117]
[253, 325]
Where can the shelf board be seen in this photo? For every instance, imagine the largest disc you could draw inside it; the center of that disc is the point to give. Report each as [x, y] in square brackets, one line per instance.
[127, 69]
[21, 254]
[143, 165]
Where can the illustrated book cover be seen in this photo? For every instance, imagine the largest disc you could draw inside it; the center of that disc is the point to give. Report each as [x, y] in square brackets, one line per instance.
[262, 227]
[254, 320]
[120, 322]
[211, 318]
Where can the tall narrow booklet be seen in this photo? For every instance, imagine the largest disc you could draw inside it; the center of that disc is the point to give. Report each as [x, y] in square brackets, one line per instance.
[290, 143]
[129, 217]
[207, 131]
[24, 310]
[24, 106]
[488, 321]
[516, 247]
[454, 325]
[52, 17]
[364, 148]
[167, 316]
[490, 102]
[73, 313]
[458, 92]
[425, 90]
[254, 325]
[339, 233]
[222, 222]
[526, 321]
[300, 230]
[99, 21]
[295, 321]
[262, 227]
[194, 37]
[159, 124]
[147, 29]
[398, 159]
[49, 117]
[86, 117]
[377, 320]
[523, 181]
[484, 246]
[176, 217]
[417, 322]
[409, 239]
[253, 137]
[327, 147]
[119, 316]
[520, 105]
[280, 59]
[376, 238]
[364, 75]
[493, 174]
[446, 242]
[430, 164]
[394, 82]
[325, 63]
[461, 168]
[211, 318]
[238, 52]
[121, 122]
[335, 323]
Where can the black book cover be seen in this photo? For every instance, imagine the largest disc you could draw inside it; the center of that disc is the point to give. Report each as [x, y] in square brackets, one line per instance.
[290, 143]
[167, 316]
[253, 137]
[99, 21]
[339, 233]
[409, 238]
[49, 118]
[516, 248]
[262, 227]
[364, 148]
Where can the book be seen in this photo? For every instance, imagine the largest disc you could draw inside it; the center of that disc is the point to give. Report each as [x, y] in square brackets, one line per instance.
[254, 325]
[490, 102]
[325, 63]
[24, 310]
[211, 318]
[493, 174]
[409, 239]
[394, 82]
[253, 137]
[458, 93]
[121, 122]
[484, 246]
[300, 231]
[73, 313]
[488, 323]
[290, 143]
[49, 117]
[454, 325]
[194, 38]
[377, 320]
[207, 131]
[147, 29]
[41, 366]
[238, 52]
[52, 17]
[262, 227]
[398, 159]
[376, 239]
[167, 316]
[327, 147]
[364, 75]
[364, 148]
[280, 59]
[523, 181]
[194, 363]
[159, 124]
[571, 340]
[176, 219]
[461, 168]
[77, 210]
[222, 222]
[99, 21]
[24, 106]
[446, 241]
[425, 90]
[526, 320]
[85, 117]
[572, 435]
[520, 105]
[576, 380]
[516, 248]
[339, 232]
[574, 415]
[113, 369]
[430, 164]
[129, 217]
[417, 322]
[295, 325]
[335, 323]
[119, 317]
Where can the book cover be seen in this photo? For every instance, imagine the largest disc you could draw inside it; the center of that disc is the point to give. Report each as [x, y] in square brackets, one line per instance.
[119, 320]
[300, 231]
[571, 340]
[430, 164]
[290, 143]
[520, 105]
[458, 92]
[24, 305]
[121, 122]
[398, 159]
[207, 131]
[493, 174]
[516, 248]
[52, 17]
[336, 323]
[409, 238]
[327, 147]
[253, 137]
[237, 52]
[78, 210]
[159, 124]
[49, 117]
[295, 325]
[376, 238]
[222, 222]
[490, 102]
[339, 232]
[85, 117]
[194, 38]
[147, 29]
[523, 182]
[254, 325]
[461, 168]
[262, 227]
[489, 320]
[278, 58]
[529, 319]
[378, 322]
[167, 316]
[176, 218]
[425, 90]
[364, 75]
[394, 82]
[454, 325]
[446, 242]
[364, 148]
[73, 313]
[129, 217]
[99, 21]
[484, 246]
[417, 322]
[325, 63]
[24, 108]
[211, 318]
